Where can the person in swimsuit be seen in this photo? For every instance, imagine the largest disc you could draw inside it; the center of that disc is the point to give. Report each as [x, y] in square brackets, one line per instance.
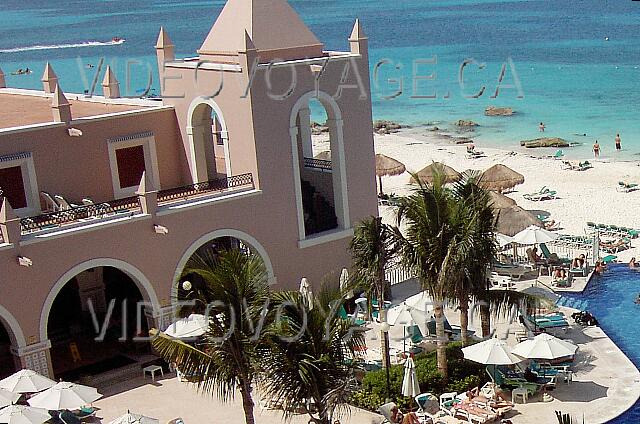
[618, 142]
[596, 149]
[541, 127]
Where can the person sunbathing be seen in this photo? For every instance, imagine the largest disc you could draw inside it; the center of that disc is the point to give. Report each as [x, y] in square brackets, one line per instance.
[559, 274]
[398, 417]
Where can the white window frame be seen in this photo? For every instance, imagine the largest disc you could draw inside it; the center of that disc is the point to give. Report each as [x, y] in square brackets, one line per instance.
[24, 160]
[148, 143]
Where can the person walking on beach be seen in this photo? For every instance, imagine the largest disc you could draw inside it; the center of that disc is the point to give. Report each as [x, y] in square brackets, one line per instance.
[618, 143]
[596, 149]
[541, 126]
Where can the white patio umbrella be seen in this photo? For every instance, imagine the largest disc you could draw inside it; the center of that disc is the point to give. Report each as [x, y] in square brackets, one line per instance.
[130, 418]
[503, 239]
[307, 294]
[26, 381]
[195, 325]
[544, 346]
[8, 398]
[534, 235]
[344, 283]
[421, 301]
[20, 414]
[407, 316]
[490, 352]
[65, 396]
[410, 387]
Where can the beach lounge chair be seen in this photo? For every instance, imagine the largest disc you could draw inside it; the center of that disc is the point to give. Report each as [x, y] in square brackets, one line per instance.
[624, 187]
[63, 205]
[85, 413]
[543, 194]
[559, 154]
[50, 204]
[552, 258]
[385, 411]
[67, 417]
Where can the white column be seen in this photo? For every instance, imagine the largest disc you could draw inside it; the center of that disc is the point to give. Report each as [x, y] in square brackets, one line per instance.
[305, 132]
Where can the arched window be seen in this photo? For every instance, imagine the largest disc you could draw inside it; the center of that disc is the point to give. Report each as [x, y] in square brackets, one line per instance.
[209, 142]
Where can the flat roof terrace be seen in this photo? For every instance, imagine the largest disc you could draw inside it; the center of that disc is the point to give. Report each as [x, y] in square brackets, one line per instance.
[24, 107]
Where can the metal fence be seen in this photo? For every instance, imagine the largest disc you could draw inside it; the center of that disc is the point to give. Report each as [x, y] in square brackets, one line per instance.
[215, 185]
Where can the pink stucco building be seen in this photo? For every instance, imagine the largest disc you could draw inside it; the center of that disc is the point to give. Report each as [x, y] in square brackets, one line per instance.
[106, 198]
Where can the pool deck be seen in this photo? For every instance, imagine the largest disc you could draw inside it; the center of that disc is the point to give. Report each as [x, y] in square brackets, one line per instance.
[577, 286]
[605, 385]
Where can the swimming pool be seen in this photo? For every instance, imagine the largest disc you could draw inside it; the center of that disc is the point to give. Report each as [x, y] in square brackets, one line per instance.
[610, 298]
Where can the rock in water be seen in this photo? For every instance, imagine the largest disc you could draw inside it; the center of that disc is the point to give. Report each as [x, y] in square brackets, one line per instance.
[545, 142]
[386, 127]
[466, 123]
[498, 111]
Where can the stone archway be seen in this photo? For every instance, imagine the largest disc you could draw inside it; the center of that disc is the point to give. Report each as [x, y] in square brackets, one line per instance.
[208, 140]
[11, 342]
[300, 143]
[240, 235]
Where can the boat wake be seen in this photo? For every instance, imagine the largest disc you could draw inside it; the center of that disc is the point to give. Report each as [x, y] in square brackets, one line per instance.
[64, 46]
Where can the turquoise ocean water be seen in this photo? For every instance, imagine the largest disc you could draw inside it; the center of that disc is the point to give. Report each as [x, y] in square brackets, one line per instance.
[577, 62]
[570, 76]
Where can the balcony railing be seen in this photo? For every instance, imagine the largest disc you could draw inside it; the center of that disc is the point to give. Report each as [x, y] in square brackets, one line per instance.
[79, 213]
[130, 205]
[206, 187]
[314, 163]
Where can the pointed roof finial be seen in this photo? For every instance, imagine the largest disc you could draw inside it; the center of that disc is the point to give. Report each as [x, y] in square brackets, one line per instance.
[109, 77]
[357, 33]
[6, 211]
[59, 99]
[48, 73]
[163, 40]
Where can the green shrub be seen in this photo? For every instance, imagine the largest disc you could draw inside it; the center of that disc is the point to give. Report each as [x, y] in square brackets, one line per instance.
[463, 375]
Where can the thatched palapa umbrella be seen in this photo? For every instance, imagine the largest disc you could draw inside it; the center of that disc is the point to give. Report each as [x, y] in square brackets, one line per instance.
[500, 177]
[386, 166]
[514, 219]
[500, 201]
[427, 174]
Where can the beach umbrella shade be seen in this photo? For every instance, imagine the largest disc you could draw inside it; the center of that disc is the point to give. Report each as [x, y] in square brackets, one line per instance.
[427, 174]
[421, 301]
[130, 418]
[534, 235]
[407, 316]
[514, 219]
[8, 398]
[65, 396]
[387, 167]
[410, 387]
[545, 346]
[21, 414]
[195, 325]
[490, 352]
[500, 177]
[26, 381]
[500, 201]
[307, 294]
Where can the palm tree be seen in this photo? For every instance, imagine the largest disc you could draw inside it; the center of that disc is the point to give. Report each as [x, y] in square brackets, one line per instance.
[310, 355]
[236, 290]
[472, 205]
[475, 203]
[373, 249]
[432, 247]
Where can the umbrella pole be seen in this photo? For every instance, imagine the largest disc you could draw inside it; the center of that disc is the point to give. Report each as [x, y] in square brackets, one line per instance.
[380, 182]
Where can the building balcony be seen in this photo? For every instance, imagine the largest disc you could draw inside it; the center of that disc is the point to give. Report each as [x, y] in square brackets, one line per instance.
[113, 210]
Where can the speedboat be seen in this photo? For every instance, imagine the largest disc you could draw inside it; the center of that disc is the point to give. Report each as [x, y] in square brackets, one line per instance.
[118, 40]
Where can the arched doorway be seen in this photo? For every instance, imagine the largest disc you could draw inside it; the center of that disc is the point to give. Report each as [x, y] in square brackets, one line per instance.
[208, 141]
[218, 240]
[96, 321]
[319, 165]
